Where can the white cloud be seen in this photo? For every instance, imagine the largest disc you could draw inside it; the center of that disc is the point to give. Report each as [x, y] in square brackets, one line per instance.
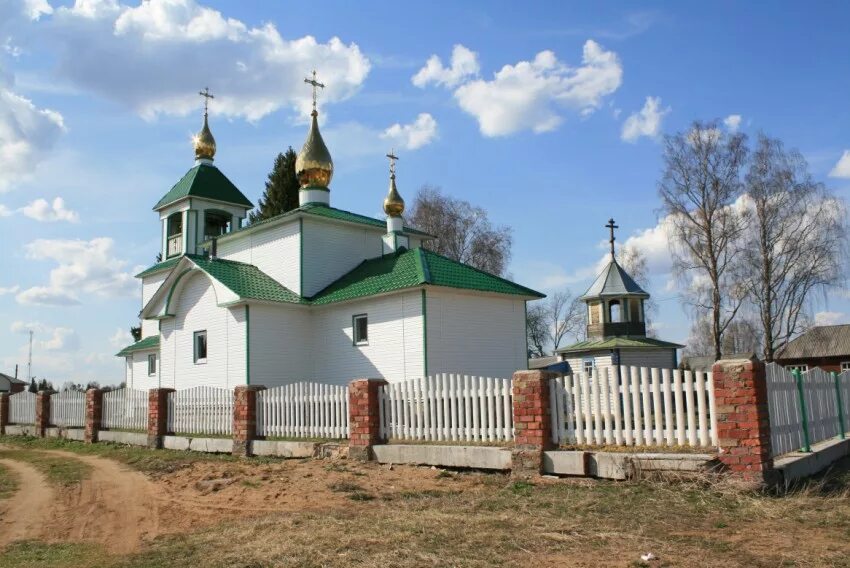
[9, 290]
[42, 210]
[5, 211]
[85, 268]
[411, 136]
[27, 133]
[155, 55]
[26, 327]
[58, 338]
[464, 65]
[530, 94]
[732, 122]
[121, 338]
[830, 318]
[645, 122]
[842, 167]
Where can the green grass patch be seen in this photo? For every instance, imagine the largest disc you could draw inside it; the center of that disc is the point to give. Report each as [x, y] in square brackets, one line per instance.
[57, 470]
[8, 482]
[32, 554]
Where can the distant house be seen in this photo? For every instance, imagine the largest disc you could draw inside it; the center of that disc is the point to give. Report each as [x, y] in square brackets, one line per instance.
[705, 363]
[826, 346]
[11, 384]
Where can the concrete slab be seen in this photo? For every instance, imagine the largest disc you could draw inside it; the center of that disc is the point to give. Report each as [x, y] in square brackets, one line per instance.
[77, 434]
[672, 462]
[20, 430]
[129, 438]
[283, 449]
[610, 465]
[175, 442]
[799, 465]
[445, 456]
[565, 462]
[211, 445]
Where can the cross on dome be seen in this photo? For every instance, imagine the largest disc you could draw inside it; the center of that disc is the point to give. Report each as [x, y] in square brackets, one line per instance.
[203, 140]
[207, 96]
[316, 86]
[393, 159]
[612, 226]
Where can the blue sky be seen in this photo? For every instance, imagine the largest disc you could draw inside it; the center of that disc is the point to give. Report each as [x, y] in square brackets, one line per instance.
[530, 118]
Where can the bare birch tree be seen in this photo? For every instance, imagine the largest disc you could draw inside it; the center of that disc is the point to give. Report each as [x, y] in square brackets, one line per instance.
[563, 315]
[464, 232]
[698, 190]
[634, 263]
[796, 244]
[535, 329]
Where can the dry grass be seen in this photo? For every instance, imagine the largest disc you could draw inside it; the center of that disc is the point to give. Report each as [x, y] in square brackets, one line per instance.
[57, 470]
[8, 482]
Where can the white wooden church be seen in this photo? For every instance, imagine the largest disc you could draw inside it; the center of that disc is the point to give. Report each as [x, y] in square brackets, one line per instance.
[316, 293]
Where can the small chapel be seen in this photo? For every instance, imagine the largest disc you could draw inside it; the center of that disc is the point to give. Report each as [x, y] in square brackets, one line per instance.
[314, 294]
[616, 325]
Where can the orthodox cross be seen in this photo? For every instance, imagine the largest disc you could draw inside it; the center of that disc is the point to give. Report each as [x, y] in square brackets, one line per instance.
[393, 159]
[316, 85]
[612, 226]
[207, 96]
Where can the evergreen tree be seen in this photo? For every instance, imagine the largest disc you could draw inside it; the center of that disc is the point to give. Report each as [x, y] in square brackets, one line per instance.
[281, 194]
[136, 332]
[33, 387]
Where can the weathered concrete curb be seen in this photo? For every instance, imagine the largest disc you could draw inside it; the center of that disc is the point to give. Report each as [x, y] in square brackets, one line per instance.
[207, 445]
[77, 434]
[129, 438]
[283, 449]
[446, 456]
[614, 465]
[21, 430]
[799, 465]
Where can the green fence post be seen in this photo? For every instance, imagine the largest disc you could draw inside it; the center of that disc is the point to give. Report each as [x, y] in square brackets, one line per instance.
[841, 427]
[807, 446]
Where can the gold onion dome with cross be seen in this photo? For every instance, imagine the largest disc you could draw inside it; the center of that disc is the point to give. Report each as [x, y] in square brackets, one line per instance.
[314, 166]
[203, 140]
[393, 204]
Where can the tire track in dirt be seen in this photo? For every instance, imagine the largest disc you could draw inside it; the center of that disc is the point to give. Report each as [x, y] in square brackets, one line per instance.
[27, 513]
[114, 505]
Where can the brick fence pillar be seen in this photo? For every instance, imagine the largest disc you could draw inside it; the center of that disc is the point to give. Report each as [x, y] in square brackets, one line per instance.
[743, 423]
[42, 412]
[244, 418]
[94, 414]
[4, 412]
[532, 421]
[157, 416]
[364, 421]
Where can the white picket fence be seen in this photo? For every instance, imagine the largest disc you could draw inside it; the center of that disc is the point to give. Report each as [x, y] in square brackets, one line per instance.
[68, 409]
[637, 406]
[200, 410]
[22, 408]
[126, 409]
[822, 393]
[447, 407]
[303, 410]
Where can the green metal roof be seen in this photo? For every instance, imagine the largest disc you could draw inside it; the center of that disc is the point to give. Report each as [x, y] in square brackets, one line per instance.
[619, 343]
[247, 281]
[614, 281]
[159, 267]
[204, 180]
[411, 268]
[146, 344]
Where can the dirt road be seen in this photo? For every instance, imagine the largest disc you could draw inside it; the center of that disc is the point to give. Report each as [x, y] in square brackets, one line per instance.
[27, 513]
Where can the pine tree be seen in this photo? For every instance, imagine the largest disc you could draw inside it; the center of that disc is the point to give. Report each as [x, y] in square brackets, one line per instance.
[281, 194]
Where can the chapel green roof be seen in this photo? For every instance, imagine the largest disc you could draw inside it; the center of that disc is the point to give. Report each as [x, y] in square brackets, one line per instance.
[618, 343]
[146, 344]
[412, 268]
[159, 267]
[204, 180]
[246, 280]
[614, 281]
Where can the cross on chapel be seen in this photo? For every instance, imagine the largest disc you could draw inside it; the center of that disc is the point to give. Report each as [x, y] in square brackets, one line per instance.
[612, 226]
[207, 96]
[316, 85]
[393, 159]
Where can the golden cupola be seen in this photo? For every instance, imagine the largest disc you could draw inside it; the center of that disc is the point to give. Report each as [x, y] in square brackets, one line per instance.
[203, 140]
[393, 203]
[314, 166]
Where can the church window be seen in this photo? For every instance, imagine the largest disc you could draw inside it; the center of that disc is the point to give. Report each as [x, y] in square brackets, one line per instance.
[151, 365]
[614, 313]
[361, 329]
[200, 343]
[175, 234]
[216, 223]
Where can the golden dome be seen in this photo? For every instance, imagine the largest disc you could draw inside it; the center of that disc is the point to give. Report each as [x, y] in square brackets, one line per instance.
[393, 204]
[204, 142]
[314, 166]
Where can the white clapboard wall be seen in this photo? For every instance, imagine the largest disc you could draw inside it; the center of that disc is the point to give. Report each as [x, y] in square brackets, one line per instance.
[200, 410]
[823, 395]
[634, 406]
[125, 409]
[303, 410]
[68, 409]
[447, 407]
[22, 408]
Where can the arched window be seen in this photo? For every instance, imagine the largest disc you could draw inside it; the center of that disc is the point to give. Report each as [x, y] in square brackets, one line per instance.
[216, 223]
[614, 313]
[175, 234]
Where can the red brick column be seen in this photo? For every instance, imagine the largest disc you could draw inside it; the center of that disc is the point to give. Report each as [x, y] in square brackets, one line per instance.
[244, 418]
[532, 422]
[743, 423]
[42, 412]
[157, 416]
[364, 421]
[94, 414]
[4, 412]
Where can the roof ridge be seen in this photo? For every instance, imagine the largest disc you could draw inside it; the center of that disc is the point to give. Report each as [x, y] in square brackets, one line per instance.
[422, 266]
[484, 272]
